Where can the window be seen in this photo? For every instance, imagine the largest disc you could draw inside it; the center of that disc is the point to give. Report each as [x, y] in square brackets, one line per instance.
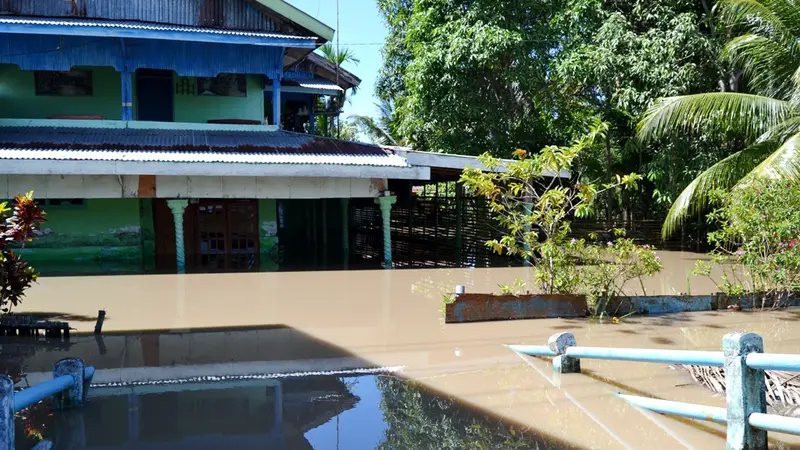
[224, 85]
[72, 83]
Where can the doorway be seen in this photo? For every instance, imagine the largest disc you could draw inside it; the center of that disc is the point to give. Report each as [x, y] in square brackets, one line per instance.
[154, 95]
[219, 236]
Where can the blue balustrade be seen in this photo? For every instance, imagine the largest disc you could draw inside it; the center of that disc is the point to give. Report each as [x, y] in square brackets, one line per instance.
[744, 363]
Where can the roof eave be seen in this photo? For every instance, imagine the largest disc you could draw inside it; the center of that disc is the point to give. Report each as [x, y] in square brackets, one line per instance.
[299, 17]
[83, 167]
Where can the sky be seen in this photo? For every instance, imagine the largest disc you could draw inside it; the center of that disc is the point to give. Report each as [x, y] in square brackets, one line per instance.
[361, 28]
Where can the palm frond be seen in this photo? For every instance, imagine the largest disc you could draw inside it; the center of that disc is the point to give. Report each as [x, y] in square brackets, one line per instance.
[767, 65]
[376, 133]
[723, 112]
[722, 175]
[783, 164]
[754, 15]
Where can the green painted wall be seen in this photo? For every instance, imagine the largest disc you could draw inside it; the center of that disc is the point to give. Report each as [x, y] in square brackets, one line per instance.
[104, 236]
[18, 99]
[193, 108]
[268, 234]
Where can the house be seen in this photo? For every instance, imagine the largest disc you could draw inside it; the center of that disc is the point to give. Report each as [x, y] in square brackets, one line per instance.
[178, 136]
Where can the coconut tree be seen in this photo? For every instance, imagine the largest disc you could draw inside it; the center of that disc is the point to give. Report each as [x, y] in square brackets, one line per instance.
[764, 113]
[383, 129]
[338, 57]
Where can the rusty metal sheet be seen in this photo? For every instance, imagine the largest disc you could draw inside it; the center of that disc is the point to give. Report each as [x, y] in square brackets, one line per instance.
[488, 307]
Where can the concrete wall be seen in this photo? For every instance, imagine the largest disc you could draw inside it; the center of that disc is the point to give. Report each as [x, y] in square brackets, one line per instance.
[18, 99]
[102, 236]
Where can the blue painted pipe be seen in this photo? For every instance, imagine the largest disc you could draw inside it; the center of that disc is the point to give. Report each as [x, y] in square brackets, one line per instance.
[771, 422]
[35, 394]
[533, 350]
[688, 410]
[773, 361]
[649, 355]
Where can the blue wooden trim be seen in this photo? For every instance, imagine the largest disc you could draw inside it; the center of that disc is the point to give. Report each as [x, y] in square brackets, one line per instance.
[136, 125]
[276, 102]
[99, 30]
[44, 52]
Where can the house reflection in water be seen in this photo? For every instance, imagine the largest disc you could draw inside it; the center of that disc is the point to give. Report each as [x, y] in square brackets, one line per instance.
[250, 414]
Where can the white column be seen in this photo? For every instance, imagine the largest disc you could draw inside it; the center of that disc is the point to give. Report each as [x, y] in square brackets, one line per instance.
[178, 207]
[386, 202]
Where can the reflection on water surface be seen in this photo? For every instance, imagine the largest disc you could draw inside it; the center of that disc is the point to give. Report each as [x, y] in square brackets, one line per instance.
[316, 412]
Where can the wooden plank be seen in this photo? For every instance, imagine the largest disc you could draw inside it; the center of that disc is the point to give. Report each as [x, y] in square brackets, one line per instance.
[147, 186]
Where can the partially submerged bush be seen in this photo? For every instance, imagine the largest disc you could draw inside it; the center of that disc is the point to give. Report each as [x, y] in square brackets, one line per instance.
[534, 207]
[17, 226]
[757, 245]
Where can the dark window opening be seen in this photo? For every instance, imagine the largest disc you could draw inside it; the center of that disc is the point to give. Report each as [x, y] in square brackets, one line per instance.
[71, 83]
[223, 85]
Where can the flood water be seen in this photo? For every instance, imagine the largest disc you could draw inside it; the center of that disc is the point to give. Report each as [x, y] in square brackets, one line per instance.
[326, 326]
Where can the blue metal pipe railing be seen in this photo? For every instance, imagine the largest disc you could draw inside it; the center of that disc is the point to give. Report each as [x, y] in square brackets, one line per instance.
[35, 394]
[773, 361]
[772, 422]
[645, 355]
[688, 410]
[745, 415]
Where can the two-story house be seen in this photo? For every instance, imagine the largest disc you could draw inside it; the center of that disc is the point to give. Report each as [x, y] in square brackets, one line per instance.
[176, 135]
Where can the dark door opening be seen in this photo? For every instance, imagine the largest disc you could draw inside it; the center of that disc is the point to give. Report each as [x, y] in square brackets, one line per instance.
[154, 95]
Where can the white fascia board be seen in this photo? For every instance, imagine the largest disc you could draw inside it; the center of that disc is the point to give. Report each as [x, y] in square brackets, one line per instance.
[82, 167]
[447, 161]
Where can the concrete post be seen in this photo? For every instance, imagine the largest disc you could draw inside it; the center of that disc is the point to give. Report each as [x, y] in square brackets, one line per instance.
[276, 102]
[75, 396]
[6, 413]
[178, 207]
[563, 363]
[346, 231]
[386, 202]
[745, 391]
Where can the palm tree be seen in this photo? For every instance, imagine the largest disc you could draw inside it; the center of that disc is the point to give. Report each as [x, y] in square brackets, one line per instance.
[338, 57]
[766, 116]
[383, 130]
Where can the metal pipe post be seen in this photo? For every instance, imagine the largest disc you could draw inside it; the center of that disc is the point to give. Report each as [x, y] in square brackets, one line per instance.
[74, 396]
[6, 413]
[559, 343]
[745, 391]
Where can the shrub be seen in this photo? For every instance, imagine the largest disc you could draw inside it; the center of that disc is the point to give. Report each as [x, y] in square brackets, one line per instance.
[534, 209]
[757, 244]
[17, 226]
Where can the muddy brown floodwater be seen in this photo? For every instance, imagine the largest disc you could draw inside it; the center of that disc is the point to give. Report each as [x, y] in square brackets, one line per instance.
[393, 319]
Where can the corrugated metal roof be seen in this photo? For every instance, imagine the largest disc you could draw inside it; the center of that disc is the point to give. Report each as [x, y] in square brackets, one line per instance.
[320, 85]
[144, 26]
[173, 145]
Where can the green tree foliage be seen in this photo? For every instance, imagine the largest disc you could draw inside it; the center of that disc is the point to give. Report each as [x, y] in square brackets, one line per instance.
[472, 77]
[495, 75]
[383, 129]
[763, 114]
[618, 56]
[758, 241]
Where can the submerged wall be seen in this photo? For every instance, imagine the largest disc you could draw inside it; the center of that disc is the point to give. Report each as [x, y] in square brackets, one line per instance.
[100, 236]
[268, 235]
